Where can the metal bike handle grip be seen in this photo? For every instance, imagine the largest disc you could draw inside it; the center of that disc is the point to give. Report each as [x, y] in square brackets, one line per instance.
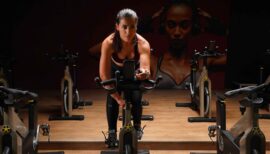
[104, 83]
[238, 91]
[18, 92]
[249, 89]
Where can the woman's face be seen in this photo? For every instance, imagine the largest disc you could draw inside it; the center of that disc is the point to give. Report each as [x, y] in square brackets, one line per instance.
[178, 21]
[127, 28]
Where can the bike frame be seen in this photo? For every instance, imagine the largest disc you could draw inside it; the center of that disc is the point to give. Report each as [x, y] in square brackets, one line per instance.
[247, 128]
[200, 91]
[67, 80]
[21, 135]
[204, 81]
[127, 132]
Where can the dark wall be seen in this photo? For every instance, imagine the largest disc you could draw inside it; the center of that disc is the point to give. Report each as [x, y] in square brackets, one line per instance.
[40, 27]
[248, 41]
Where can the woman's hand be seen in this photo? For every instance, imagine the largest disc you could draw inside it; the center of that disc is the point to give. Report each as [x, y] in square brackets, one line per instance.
[116, 96]
[142, 74]
[121, 102]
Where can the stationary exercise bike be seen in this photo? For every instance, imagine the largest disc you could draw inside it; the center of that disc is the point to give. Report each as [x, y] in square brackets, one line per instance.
[200, 85]
[127, 83]
[15, 136]
[69, 91]
[245, 136]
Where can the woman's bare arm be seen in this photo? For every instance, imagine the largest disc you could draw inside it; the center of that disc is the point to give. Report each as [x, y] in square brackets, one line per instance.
[144, 50]
[105, 67]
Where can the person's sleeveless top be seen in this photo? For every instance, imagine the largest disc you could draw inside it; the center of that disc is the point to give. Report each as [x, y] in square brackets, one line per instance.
[136, 57]
[167, 81]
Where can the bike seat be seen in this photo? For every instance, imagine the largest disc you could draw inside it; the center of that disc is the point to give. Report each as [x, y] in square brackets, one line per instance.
[212, 54]
[66, 57]
[12, 96]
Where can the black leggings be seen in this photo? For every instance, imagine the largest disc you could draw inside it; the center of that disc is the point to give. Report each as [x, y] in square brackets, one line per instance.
[112, 109]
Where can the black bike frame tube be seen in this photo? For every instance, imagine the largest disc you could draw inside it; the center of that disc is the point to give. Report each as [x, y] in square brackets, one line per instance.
[32, 115]
[74, 75]
[193, 74]
[221, 113]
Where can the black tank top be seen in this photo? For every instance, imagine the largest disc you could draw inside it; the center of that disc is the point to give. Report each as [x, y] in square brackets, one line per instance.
[136, 56]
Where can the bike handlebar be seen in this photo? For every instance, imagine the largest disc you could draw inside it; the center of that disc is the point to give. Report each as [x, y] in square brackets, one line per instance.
[246, 90]
[208, 54]
[108, 82]
[18, 93]
[127, 84]
[65, 56]
[154, 83]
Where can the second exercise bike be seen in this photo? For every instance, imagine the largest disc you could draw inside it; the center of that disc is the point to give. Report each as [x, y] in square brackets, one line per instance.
[200, 85]
[69, 92]
[245, 136]
[16, 136]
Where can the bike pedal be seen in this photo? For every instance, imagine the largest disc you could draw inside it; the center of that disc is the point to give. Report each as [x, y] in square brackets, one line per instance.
[145, 103]
[111, 145]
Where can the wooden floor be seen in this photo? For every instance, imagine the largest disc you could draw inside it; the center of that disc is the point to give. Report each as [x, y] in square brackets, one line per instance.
[151, 151]
[169, 131]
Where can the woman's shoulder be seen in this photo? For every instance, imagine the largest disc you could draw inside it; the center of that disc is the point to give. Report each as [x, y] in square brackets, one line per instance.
[107, 44]
[108, 40]
[142, 42]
